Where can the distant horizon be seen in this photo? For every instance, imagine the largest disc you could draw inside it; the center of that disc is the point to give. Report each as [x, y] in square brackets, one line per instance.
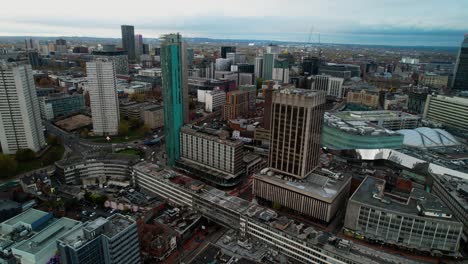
[384, 42]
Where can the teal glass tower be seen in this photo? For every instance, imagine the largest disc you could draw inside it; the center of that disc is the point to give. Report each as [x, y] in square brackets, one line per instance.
[173, 93]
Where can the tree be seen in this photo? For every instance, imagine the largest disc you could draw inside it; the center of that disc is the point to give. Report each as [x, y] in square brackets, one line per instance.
[134, 122]
[84, 133]
[8, 165]
[276, 205]
[52, 156]
[259, 82]
[53, 140]
[137, 97]
[192, 105]
[123, 128]
[25, 155]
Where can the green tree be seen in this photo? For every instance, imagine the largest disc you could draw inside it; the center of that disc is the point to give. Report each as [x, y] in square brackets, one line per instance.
[25, 155]
[52, 156]
[276, 205]
[53, 140]
[8, 165]
[134, 122]
[259, 82]
[137, 97]
[123, 128]
[192, 105]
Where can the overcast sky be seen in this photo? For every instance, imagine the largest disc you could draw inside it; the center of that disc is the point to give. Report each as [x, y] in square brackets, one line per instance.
[255, 19]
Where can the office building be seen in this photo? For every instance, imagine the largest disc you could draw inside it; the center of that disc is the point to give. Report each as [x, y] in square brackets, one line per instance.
[268, 64]
[172, 84]
[61, 46]
[236, 57]
[61, 105]
[138, 46]
[281, 71]
[310, 66]
[411, 219]
[258, 67]
[434, 80]
[153, 116]
[452, 191]
[112, 240]
[211, 155]
[273, 49]
[225, 50]
[342, 135]
[296, 128]
[33, 58]
[237, 104]
[345, 71]
[297, 240]
[460, 75]
[363, 97]
[103, 97]
[20, 116]
[223, 64]
[333, 86]
[41, 247]
[80, 50]
[214, 100]
[146, 49]
[417, 102]
[451, 112]
[120, 59]
[128, 42]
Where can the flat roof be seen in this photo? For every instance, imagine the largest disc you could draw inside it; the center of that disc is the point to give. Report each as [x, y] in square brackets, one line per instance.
[372, 187]
[320, 184]
[374, 115]
[117, 224]
[27, 217]
[47, 236]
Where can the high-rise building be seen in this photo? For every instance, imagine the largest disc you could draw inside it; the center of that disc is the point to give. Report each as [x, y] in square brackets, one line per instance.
[20, 118]
[310, 66]
[103, 96]
[61, 46]
[268, 63]
[138, 46]
[113, 240]
[452, 112]
[237, 104]
[236, 57]
[128, 42]
[172, 84]
[296, 128]
[332, 85]
[225, 50]
[460, 76]
[281, 71]
[33, 58]
[273, 49]
[258, 67]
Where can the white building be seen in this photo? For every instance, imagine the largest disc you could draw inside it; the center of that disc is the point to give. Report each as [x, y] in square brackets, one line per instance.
[214, 100]
[332, 85]
[103, 95]
[281, 74]
[236, 57]
[20, 116]
[223, 64]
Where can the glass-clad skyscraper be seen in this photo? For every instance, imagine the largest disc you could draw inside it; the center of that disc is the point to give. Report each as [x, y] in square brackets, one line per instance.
[172, 83]
[128, 42]
[460, 76]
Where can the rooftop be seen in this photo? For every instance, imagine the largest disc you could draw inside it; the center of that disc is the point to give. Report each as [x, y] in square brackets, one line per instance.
[374, 115]
[424, 137]
[117, 224]
[27, 217]
[100, 156]
[373, 192]
[357, 127]
[218, 135]
[47, 236]
[321, 183]
[297, 91]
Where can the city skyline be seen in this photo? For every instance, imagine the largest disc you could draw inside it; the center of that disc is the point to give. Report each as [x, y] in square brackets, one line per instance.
[387, 22]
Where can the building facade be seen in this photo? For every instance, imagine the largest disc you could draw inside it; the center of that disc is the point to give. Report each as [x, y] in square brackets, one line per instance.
[281, 71]
[296, 128]
[258, 67]
[332, 85]
[172, 84]
[153, 116]
[20, 118]
[214, 100]
[128, 42]
[212, 152]
[120, 59]
[103, 97]
[415, 220]
[460, 76]
[60, 104]
[268, 64]
[449, 111]
[237, 104]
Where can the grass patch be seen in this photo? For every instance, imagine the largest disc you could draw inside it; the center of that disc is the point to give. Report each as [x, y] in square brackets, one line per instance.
[25, 166]
[131, 152]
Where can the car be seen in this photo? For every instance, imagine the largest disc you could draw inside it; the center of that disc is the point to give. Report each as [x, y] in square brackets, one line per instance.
[92, 214]
[113, 211]
[84, 212]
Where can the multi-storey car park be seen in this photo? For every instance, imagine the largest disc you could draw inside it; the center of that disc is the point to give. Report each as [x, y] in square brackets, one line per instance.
[295, 239]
